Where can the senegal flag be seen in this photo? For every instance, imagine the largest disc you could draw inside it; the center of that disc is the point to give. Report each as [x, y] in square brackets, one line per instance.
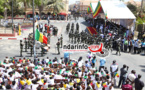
[97, 10]
[40, 37]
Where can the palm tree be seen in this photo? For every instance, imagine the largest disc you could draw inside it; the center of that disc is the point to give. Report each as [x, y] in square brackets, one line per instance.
[57, 5]
[25, 3]
[41, 4]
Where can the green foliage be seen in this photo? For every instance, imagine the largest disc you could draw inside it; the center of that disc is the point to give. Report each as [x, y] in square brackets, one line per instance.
[57, 5]
[16, 8]
[133, 8]
[1, 5]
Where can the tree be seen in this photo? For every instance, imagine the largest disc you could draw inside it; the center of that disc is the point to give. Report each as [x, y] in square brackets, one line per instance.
[41, 4]
[133, 8]
[26, 3]
[57, 5]
[16, 8]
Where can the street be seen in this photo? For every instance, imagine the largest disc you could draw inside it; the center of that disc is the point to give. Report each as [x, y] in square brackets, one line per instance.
[11, 48]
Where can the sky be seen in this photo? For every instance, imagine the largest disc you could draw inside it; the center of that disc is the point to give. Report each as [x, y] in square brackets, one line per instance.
[73, 1]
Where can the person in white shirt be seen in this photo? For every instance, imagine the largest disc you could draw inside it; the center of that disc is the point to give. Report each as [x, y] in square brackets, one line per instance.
[14, 85]
[58, 76]
[131, 77]
[34, 86]
[114, 68]
[51, 81]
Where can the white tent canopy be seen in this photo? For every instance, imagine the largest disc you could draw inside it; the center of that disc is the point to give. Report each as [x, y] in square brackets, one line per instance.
[116, 10]
[94, 5]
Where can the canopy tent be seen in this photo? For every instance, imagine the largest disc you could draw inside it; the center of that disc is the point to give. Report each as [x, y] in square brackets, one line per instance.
[94, 5]
[117, 12]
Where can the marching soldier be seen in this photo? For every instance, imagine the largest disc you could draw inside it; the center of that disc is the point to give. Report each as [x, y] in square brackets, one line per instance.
[61, 40]
[69, 36]
[58, 46]
[42, 50]
[31, 49]
[26, 45]
[21, 48]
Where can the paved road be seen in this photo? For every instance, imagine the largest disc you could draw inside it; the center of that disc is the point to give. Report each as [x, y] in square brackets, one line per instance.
[136, 62]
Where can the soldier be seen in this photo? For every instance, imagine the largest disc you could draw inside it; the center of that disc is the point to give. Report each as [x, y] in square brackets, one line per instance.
[58, 46]
[21, 48]
[69, 36]
[61, 40]
[26, 45]
[42, 50]
[31, 49]
[118, 48]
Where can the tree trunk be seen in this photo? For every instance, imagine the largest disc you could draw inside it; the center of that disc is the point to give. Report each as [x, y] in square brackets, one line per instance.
[5, 13]
[25, 5]
[40, 11]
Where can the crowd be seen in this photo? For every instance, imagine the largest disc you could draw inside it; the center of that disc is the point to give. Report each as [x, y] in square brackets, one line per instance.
[65, 74]
[118, 37]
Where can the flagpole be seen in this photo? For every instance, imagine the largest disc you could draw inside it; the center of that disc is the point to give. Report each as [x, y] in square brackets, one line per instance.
[34, 34]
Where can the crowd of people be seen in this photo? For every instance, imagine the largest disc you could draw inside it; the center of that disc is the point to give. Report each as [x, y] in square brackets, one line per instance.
[117, 37]
[59, 74]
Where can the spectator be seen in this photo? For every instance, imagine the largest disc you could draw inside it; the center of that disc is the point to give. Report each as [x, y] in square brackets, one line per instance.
[127, 86]
[123, 75]
[138, 83]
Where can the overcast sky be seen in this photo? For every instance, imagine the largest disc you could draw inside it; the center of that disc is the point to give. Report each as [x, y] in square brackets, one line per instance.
[73, 1]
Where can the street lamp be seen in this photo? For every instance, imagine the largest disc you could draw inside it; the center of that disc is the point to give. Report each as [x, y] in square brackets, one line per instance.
[34, 34]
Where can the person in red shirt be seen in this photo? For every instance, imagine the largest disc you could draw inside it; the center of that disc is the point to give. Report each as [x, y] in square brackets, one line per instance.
[20, 60]
[127, 86]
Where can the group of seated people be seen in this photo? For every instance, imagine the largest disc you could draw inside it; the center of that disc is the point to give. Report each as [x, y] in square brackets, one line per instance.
[53, 74]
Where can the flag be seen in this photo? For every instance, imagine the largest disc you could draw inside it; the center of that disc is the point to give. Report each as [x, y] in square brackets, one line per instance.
[104, 84]
[106, 17]
[97, 10]
[19, 30]
[98, 85]
[89, 9]
[40, 37]
[116, 74]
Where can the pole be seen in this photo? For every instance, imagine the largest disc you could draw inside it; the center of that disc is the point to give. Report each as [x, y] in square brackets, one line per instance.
[34, 33]
[12, 18]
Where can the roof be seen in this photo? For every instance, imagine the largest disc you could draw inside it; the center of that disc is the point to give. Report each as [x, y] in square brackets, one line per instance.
[116, 10]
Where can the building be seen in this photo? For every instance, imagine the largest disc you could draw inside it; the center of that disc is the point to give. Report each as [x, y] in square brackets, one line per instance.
[47, 11]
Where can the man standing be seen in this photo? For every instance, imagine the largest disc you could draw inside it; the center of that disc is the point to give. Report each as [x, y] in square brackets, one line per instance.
[113, 70]
[131, 77]
[138, 83]
[48, 19]
[41, 27]
[102, 63]
[21, 47]
[123, 75]
[58, 46]
[61, 40]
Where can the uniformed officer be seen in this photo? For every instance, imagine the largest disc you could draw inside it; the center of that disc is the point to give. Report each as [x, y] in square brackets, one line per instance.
[61, 40]
[21, 47]
[26, 45]
[58, 46]
[42, 50]
[31, 48]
